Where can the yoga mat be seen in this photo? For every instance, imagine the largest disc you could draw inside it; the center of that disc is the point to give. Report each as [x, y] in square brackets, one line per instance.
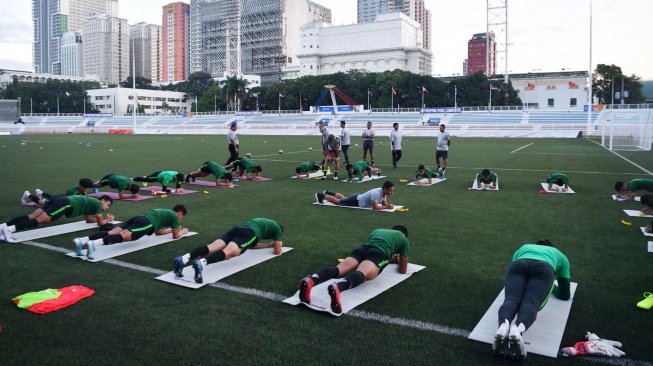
[217, 271]
[360, 208]
[158, 188]
[635, 213]
[263, 179]
[545, 186]
[47, 231]
[424, 182]
[476, 189]
[206, 183]
[115, 196]
[350, 299]
[644, 231]
[614, 197]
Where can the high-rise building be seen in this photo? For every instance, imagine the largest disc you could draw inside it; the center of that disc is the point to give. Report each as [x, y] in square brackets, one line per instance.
[72, 57]
[52, 19]
[254, 37]
[175, 42]
[477, 54]
[465, 68]
[415, 9]
[145, 42]
[106, 48]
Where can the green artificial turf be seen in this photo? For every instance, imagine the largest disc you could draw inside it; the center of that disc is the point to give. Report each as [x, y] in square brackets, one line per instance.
[464, 238]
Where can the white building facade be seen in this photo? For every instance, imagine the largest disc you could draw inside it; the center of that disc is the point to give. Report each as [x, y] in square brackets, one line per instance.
[119, 101]
[145, 42]
[552, 90]
[106, 48]
[72, 57]
[393, 41]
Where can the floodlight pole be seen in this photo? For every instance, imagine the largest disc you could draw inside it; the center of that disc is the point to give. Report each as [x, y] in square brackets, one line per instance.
[589, 88]
[134, 86]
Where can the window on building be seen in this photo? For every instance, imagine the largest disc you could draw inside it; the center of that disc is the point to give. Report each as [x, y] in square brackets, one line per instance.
[573, 102]
[550, 102]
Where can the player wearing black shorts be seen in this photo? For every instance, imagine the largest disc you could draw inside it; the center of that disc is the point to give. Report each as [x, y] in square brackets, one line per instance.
[165, 177]
[365, 263]
[159, 221]
[119, 182]
[70, 206]
[233, 243]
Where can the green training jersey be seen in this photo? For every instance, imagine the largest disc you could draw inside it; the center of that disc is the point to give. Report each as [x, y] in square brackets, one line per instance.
[120, 182]
[264, 229]
[550, 255]
[74, 191]
[360, 167]
[640, 184]
[83, 205]
[246, 164]
[162, 218]
[218, 170]
[308, 166]
[428, 173]
[491, 179]
[389, 241]
[553, 177]
[166, 177]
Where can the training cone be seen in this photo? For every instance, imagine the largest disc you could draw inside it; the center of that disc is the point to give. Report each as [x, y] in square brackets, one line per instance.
[403, 180]
[627, 223]
[205, 192]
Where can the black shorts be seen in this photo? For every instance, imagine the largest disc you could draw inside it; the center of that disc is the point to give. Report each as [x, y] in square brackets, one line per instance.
[243, 236]
[57, 207]
[139, 226]
[444, 154]
[104, 181]
[368, 145]
[205, 168]
[372, 254]
[349, 201]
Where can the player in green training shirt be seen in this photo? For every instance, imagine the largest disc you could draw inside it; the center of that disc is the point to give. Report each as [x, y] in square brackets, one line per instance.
[70, 206]
[423, 173]
[365, 263]
[159, 221]
[486, 179]
[245, 165]
[304, 169]
[40, 197]
[633, 186]
[233, 243]
[560, 180]
[165, 177]
[211, 167]
[119, 182]
[358, 168]
[529, 283]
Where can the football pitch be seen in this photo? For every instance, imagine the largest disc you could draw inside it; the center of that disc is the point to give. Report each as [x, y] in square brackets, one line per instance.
[464, 238]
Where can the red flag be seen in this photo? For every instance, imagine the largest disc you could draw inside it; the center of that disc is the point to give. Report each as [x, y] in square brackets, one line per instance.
[394, 92]
[572, 85]
[426, 91]
[531, 86]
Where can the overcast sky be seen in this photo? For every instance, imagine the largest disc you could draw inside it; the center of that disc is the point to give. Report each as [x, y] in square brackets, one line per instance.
[543, 35]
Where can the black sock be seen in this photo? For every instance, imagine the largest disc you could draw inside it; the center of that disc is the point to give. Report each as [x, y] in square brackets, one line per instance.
[329, 193]
[34, 199]
[325, 274]
[199, 252]
[335, 174]
[215, 257]
[16, 220]
[352, 280]
[140, 179]
[98, 235]
[372, 162]
[46, 195]
[26, 224]
[112, 239]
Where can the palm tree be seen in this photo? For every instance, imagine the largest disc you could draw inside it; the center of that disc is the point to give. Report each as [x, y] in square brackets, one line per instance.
[236, 91]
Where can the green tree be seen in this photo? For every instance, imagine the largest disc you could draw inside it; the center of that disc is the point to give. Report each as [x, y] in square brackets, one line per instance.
[235, 89]
[212, 100]
[141, 83]
[607, 76]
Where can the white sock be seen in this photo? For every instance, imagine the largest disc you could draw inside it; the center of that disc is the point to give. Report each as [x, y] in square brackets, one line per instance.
[84, 240]
[97, 242]
[11, 229]
[203, 261]
[521, 328]
[185, 258]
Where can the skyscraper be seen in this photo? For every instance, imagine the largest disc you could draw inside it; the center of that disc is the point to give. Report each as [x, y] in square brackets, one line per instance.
[145, 42]
[175, 41]
[106, 48]
[52, 19]
[477, 52]
[72, 61]
[415, 9]
[254, 37]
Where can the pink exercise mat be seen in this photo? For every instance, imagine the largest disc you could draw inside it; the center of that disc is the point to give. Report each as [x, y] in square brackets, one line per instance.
[114, 196]
[158, 188]
[207, 183]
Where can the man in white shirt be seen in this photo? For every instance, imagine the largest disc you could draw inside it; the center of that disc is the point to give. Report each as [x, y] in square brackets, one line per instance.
[442, 151]
[344, 141]
[368, 142]
[395, 144]
[232, 140]
[376, 199]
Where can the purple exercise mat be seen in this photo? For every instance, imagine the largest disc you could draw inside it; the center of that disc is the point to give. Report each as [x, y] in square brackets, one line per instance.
[252, 180]
[207, 183]
[158, 188]
[114, 195]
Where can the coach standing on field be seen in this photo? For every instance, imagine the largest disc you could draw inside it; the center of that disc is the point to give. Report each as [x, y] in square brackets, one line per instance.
[232, 139]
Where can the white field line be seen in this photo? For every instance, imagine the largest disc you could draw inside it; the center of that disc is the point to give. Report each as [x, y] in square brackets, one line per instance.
[626, 159]
[525, 146]
[385, 319]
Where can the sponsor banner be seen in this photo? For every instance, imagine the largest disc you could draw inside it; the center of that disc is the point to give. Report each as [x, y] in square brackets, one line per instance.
[441, 110]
